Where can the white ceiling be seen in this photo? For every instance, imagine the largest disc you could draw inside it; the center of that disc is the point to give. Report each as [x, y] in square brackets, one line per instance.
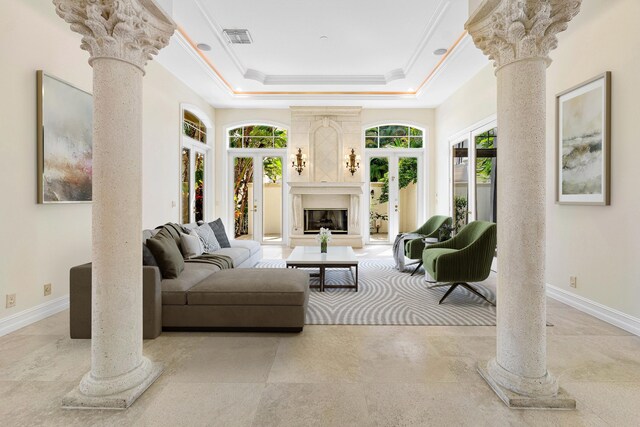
[378, 53]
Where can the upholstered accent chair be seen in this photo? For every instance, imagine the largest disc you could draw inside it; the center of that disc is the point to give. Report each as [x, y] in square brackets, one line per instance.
[413, 248]
[465, 258]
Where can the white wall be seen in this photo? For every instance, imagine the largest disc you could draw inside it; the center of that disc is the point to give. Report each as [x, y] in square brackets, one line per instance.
[40, 243]
[599, 245]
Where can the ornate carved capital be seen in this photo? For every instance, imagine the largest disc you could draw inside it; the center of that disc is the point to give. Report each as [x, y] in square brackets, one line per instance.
[512, 30]
[129, 30]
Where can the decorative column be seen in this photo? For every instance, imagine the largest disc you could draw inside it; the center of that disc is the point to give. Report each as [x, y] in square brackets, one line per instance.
[121, 36]
[518, 36]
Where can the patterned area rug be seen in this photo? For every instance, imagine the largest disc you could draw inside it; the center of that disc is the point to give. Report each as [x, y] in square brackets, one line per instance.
[389, 297]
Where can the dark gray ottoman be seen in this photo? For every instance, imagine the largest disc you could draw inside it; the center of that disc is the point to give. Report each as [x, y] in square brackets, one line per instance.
[243, 299]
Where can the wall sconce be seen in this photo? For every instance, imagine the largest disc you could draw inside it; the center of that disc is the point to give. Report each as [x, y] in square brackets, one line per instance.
[352, 161]
[299, 161]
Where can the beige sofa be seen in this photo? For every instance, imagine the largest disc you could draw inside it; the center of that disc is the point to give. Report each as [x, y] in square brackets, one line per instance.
[204, 298]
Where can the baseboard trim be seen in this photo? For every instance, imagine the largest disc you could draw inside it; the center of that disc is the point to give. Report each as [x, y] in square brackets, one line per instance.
[33, 314]
[610, 315]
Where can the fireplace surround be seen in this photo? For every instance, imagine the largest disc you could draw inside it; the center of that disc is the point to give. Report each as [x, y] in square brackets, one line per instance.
[335, 220]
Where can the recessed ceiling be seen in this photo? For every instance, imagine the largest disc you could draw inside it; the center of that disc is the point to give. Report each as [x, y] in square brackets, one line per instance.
[375, 54]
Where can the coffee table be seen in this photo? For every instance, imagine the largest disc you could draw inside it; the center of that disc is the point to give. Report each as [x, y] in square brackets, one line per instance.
[336, 257]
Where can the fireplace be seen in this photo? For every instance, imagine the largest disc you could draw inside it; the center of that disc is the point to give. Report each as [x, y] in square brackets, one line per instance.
[335, 220]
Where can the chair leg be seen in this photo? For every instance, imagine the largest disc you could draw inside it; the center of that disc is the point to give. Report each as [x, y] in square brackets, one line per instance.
[451, 289]
[475, 292]
[416, 269]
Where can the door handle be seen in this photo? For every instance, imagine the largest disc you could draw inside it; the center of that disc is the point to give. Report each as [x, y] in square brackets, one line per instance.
[396, 207]
[255, 208]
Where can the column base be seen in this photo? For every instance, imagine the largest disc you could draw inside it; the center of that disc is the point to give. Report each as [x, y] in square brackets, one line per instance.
[560, 400]
[77, 400]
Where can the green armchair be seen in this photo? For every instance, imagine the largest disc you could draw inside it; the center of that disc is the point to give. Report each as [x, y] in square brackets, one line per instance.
[465, 258]
[413, 248]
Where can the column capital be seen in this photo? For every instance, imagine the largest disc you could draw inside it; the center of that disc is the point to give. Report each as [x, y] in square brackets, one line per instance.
[128, 30]
[513, 30]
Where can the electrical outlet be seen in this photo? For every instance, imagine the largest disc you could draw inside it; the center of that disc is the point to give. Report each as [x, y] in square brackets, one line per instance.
[47, 289]
[573, 281]
[11, 300]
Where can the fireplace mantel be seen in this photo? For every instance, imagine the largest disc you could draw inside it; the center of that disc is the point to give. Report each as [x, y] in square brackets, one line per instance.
[331, 188]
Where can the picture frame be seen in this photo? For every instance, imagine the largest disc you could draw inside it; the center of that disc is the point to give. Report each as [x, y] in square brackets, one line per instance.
[64, 141]
[583, 143]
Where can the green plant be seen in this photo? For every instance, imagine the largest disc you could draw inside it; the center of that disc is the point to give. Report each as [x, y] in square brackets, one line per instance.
[407, 174]
[460, 212]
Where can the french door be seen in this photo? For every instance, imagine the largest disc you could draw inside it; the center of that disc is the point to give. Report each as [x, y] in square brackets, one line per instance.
[257, 197]
[395, 189]
[194, 182]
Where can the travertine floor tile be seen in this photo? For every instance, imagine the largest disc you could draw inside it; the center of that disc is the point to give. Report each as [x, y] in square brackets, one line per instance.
[309, 405]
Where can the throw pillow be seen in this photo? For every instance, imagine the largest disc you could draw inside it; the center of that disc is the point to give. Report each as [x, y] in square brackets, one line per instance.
[209, 242]
[191, 246]
[147, 257]
[218, 229]
[167, 255]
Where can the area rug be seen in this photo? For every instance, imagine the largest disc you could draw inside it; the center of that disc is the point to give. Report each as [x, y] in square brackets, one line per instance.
[387, 296]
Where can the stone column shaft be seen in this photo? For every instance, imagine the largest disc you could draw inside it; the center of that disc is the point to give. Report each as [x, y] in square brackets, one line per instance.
[121, 36]
[518, 36]
[117, 186]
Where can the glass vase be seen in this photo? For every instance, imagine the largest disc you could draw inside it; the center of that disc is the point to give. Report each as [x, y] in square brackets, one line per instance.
[323, 247]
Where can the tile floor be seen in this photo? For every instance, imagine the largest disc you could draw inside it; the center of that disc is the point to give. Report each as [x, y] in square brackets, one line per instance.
[327, 375]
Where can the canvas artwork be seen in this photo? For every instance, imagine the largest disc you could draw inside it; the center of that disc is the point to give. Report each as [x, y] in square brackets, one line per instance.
[583, 143]
[65, 126]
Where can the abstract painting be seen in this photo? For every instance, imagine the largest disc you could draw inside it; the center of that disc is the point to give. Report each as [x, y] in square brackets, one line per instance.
[583, 142]
[65, 126]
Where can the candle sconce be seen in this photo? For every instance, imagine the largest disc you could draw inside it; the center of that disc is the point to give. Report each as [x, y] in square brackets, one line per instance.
[299, 161]
[352, 161]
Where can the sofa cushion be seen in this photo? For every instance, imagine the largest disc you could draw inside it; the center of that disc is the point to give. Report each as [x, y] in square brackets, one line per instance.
[208, 238]
[167, 255]
[147, 257]
[191, 244]
[238, 255]
[251, 286]
[221, 234]
[174, 291]
[252, 245]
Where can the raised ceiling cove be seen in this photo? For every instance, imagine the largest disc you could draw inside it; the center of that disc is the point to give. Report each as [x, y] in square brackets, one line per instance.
[378, 53]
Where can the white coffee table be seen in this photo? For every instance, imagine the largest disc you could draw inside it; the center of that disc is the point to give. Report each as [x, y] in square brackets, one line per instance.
[336, 257]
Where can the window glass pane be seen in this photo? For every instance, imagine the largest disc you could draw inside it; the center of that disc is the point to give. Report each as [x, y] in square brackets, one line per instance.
[460, 184]
[394, 130]
[280, 142]
[235, 142]
[394, 142]
[199, 187]
[258, 142]
[379, 199]
[415, 142]
[486, 189]
[259, 130]
[186, 186]
[371, 132]
[371, 143]
[272, 199]
[193, 127]
[415, 132]
[243, 197]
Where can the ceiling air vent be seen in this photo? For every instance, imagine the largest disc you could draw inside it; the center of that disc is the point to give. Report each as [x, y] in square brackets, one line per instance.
[238, 36]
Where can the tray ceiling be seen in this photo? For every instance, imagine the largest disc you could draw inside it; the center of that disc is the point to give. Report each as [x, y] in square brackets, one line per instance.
[377, 53]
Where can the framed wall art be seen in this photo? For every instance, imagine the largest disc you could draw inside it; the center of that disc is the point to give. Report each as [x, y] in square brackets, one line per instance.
[583, 143]
[65, 127]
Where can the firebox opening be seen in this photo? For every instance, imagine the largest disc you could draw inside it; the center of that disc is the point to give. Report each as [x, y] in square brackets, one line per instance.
[333, 219]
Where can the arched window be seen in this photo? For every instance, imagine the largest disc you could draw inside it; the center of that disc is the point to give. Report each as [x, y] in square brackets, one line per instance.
[393, 136]
[194, 162]
[257, 136]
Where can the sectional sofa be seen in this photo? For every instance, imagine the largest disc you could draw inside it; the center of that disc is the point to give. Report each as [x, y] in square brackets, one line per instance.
[204, 297]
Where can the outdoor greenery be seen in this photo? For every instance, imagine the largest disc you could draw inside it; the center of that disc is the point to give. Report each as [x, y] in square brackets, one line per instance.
[258, 136]
[407, 174]
[199, 187]
[393, 136]
[484, 165]
[460, 212]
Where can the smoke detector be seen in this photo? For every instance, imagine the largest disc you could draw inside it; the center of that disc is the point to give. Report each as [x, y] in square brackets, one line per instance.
[238, 36]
